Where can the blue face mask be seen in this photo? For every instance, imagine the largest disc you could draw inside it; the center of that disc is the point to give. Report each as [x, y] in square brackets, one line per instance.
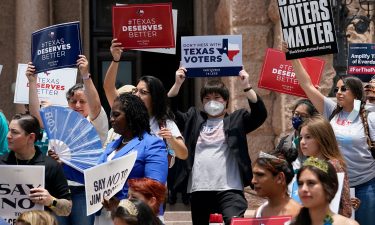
[296, 122]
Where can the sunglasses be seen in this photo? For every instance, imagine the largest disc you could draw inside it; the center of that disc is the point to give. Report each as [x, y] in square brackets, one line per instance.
[342, 89]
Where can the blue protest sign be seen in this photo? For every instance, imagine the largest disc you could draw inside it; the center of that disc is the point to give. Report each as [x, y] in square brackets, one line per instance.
[212, 56]
[56, 47]
[361, 60]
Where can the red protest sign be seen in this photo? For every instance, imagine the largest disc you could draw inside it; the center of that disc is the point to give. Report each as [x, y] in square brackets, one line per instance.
[278, 74]
[274, 220]
[143, 25]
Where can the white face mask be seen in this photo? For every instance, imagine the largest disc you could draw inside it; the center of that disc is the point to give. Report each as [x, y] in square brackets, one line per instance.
[214, 108]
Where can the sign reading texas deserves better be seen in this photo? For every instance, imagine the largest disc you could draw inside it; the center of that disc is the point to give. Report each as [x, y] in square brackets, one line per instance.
[56, 47]
[278, 74]
[143, 25]
[307, 27]
[212, 56]
[361, 60]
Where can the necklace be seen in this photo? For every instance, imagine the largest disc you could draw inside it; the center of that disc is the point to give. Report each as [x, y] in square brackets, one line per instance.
[328, 220]
[27, 162]
[124, 142]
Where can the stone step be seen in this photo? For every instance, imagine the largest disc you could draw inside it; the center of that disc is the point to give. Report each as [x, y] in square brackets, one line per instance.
[177, 216]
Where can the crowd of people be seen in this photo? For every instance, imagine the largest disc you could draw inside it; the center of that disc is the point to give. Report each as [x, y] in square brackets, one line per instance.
[211, 143]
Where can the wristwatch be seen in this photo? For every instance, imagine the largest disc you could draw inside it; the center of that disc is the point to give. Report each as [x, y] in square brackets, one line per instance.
[53, 204]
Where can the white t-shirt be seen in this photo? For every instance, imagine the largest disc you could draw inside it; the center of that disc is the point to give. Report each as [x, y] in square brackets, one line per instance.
[101, 124]
[352, 142]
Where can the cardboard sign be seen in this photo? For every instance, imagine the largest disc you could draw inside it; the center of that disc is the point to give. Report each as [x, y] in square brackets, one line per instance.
[212, 56]
[171, 51]
[52, 85]
[361, 60]
[278, 74]
[307, 27]
[16, 182]
[143, 25]
[274, 220]
[105, 180]
[56, 47]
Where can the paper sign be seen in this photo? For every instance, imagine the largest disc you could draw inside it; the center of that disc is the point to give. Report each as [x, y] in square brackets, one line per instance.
[307, 27]
[166, 50]
[352, 195]
[105, 180]
[143, 25]
[52, 85]
[1, 68]
[274, 220]
[212, 56]
[56, 47]
[16, 182]
[361, 60]
[278, 73]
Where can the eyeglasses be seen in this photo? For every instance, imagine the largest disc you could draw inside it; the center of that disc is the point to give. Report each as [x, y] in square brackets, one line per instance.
[141, 91]
[342, 89]
[299, 114]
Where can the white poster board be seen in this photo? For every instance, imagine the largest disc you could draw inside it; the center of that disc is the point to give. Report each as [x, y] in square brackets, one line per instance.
[15, 184]
[105, 180]
[52, 85]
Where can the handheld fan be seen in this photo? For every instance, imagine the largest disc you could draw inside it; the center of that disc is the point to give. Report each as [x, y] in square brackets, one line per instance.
[73, 138]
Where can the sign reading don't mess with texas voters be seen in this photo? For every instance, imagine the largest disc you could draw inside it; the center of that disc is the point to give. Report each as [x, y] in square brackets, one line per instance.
[212, 56]
[56, 47]
[307, 27]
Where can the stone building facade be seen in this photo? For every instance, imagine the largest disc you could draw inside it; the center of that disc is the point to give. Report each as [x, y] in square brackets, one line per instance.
[257, 21]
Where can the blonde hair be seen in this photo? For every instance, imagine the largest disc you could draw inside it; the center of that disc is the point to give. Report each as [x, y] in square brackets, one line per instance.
[321, 130]
[36, 217]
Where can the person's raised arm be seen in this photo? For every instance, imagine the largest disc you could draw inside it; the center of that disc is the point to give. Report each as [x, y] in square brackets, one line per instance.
[304, 81]
[110, 77]
[180, 78]
[244, 81]
[90, 91]
[34, 105]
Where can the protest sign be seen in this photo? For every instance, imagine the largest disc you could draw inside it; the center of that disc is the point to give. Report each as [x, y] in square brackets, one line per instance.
[52, 85]
[15, 184]
[166, 50]
[105, 180]
[212, 56]
[56, 47]
[274, 220]
[143, 25]
[1, 68]
[307, 27]
[278, 74]
[361, 60]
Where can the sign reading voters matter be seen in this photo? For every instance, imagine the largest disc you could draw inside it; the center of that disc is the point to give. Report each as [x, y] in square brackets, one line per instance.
[307, 27]
[51, 85]
[143, 25]
[212, 56]
[278, 73]
[56, 47]
[15, 184]
[105, 180]
[361, 60]
[274, 220]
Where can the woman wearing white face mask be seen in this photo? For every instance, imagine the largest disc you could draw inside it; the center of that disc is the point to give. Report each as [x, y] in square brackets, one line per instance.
[217, 139]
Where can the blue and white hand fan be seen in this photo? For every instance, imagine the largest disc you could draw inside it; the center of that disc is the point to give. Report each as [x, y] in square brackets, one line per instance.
[73, 138]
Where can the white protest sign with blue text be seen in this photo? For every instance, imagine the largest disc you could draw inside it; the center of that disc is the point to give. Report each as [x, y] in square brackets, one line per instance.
[15, 184]
[51, 85]
[212, 56]
[105, 180]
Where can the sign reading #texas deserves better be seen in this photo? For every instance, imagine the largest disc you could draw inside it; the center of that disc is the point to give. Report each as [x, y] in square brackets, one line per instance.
[143, 25]
[274, 220]
[212, 56]
[15, 184]
[307, 27]
[56, 47]
[278, 73]
[361, 60]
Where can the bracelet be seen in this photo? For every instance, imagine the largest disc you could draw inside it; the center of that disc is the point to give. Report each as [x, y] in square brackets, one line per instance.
[116, 61]
[88, 76]
[247, 89]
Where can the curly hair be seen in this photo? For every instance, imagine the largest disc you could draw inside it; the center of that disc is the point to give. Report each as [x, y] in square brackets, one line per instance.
[136, 114]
